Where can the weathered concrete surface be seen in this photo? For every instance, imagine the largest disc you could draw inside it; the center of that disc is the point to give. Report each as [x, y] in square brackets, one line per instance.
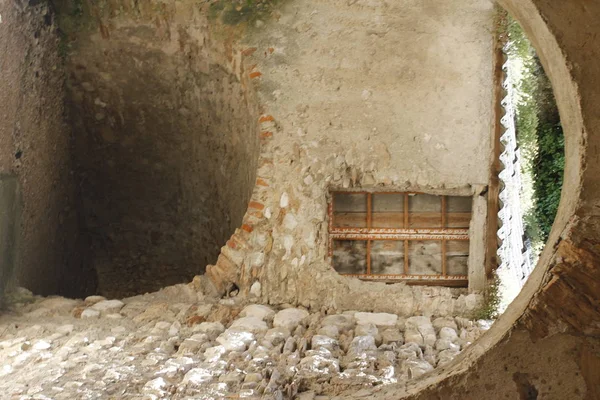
[34, 147]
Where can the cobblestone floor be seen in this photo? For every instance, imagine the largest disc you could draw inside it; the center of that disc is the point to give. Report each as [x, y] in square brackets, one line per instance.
[178, 344]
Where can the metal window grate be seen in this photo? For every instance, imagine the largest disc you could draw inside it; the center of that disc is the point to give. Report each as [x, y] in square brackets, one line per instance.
[400, 236]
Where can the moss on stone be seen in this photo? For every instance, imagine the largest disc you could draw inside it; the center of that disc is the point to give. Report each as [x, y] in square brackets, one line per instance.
[491, 301]
[235, 12]
[71, 18]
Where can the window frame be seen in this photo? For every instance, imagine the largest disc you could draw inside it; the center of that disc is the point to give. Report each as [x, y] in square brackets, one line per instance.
[405, 235]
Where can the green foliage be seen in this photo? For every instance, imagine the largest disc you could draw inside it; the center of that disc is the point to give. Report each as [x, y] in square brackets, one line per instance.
[539, 135]
[491, 301]
[519, 45]
[549, 167]
[70, 14]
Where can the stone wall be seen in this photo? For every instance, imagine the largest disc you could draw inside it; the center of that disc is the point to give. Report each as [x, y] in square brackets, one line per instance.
[361, 95]
[166, 140]
[34, 147]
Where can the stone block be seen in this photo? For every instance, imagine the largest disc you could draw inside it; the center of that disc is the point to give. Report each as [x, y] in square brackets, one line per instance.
[108, 306]
[249, 324]
[259, 311]
[420, 330]
[378, 319]
[344, 322]
[289, 318]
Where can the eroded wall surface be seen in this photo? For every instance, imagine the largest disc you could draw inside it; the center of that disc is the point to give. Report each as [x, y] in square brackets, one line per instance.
[166, 140]
[360, 94]
[34, 147]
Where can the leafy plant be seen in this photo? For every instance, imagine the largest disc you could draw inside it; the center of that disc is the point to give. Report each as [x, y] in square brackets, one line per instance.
[539, 135]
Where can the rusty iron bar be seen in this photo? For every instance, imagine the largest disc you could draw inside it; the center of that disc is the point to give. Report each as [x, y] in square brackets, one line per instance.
[369, 222]
[368, 257]
[375, 192]
[396, 236]
[330, 212]
[443, 243]
[405, 210]
[444, 206]
[406, 260]
[444, 264]
[437, 280]
[420, 231]
[413, 277]
[369, 210]
[406, 244]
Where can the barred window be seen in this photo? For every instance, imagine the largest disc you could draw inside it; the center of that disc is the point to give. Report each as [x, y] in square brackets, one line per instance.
[400, 236]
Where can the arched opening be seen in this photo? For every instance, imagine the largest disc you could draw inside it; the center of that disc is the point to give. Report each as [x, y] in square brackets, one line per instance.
[532, 156]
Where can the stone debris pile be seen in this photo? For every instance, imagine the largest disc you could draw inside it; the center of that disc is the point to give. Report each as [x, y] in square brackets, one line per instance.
[66, 349]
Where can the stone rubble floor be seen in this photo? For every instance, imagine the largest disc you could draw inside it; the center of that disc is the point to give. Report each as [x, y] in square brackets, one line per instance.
[170, 345]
